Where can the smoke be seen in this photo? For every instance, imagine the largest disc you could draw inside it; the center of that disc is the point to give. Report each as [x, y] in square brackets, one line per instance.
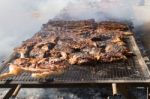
[20, 19]
[130, 10]
[98, 9]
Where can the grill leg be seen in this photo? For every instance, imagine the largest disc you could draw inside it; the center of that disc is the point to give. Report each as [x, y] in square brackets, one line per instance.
[12, 93]
[9, 93]
[115, 94]
[148, 94]
[16, 91]
[114, 89]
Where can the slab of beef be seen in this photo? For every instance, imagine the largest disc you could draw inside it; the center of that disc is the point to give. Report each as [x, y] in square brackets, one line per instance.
[102, 41]
[113, 26]
[60, 43]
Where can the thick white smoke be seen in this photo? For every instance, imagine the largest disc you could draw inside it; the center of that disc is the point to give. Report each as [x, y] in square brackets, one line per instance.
[98, 9]
[20, 19]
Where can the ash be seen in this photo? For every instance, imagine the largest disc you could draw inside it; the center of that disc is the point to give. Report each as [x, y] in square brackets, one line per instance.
[64, 93]
[76, 93]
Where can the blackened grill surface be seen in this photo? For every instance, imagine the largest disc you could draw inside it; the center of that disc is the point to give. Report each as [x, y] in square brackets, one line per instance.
[121, 70]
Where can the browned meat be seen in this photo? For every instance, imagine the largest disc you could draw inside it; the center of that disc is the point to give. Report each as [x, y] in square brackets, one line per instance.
[52, 64]
[114, 52]
[39, 67]
[107, 25]
[72, 39]
[81, 58]
[27, 46]
[61, 43]
[72, 24]
[26, 62]
[41, 50]
[93, 51]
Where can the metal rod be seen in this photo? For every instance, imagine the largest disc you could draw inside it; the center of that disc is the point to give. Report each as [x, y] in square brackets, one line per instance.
[148, 94]
[9, 93]
[16, 91]
[114, 89]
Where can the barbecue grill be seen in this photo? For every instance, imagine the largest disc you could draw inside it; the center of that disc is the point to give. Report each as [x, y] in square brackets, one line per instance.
[131, 71]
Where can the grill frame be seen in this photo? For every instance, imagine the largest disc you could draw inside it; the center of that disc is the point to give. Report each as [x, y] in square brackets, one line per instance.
[145, 76]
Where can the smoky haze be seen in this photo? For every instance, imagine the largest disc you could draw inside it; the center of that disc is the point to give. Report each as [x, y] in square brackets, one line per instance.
[20, 19]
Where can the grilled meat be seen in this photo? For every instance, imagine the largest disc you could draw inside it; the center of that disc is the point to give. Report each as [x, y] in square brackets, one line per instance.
[61, 43]
[108, 25]
[41, 49]
[98, 40]
[80, 58]
[39, 67]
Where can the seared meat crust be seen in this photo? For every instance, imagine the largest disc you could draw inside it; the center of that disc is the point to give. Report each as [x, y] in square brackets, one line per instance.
[60, 43]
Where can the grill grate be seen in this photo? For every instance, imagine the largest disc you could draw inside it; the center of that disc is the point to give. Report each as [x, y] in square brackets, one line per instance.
[125, 70]
[122, 70]
[114, 71]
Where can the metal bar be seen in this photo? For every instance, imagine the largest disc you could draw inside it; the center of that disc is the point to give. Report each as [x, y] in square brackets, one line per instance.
[9, 93]
[140, 82]
[74, 85]
[16, 91]
[114, 89]
[148, 94]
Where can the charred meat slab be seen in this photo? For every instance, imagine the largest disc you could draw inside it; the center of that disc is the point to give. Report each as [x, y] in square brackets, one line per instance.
[61, 44]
